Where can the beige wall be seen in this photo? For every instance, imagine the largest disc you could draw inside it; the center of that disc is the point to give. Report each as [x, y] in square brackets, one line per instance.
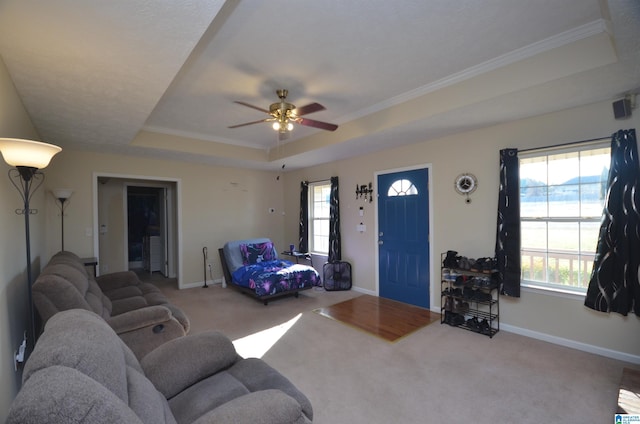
[214, 205]
[470, 228]
[14, 122]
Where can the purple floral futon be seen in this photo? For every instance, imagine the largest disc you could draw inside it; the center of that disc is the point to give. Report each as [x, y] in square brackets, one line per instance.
[275, 276]
[254, 265]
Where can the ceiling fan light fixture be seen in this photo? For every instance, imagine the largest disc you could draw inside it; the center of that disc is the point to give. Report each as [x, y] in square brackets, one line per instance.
[284, 114]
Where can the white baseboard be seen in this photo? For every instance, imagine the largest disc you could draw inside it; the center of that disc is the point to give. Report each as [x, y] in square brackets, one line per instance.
[609, 353]
[365, 291]
[200, 284]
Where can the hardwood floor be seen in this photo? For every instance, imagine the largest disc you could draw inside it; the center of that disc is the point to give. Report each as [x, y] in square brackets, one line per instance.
[387, 319]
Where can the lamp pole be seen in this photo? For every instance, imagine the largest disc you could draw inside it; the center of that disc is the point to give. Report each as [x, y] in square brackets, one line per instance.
[62, 195]
[62, 221]
[27, 175]
[27, 157]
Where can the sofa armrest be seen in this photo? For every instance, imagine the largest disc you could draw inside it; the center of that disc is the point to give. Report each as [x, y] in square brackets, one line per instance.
[264, 407]
[139, 318]
[116, 280]
[182, 362]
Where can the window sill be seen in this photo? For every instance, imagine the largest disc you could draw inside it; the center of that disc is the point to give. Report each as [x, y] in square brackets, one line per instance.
[552, 291]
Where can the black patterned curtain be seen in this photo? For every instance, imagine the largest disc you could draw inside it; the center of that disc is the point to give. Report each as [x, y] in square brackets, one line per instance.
[614, 286]
[303, 230]
[335, 250]
[508, 229]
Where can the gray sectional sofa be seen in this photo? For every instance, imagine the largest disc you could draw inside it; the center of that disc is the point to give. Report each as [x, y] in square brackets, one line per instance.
[81, 372]
[138, 312]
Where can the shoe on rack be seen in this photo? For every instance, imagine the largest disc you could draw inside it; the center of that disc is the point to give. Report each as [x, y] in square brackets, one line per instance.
[481, 296]
[450, 260]
[452, 276]
[460, 307]
[457, 319]
[461, 280]
[489, 265]
[468, 293]
[448, 317]
[476, 266]
[473, 324]
[483, 281]
[464, 263]
[448, 304]
[485, 327]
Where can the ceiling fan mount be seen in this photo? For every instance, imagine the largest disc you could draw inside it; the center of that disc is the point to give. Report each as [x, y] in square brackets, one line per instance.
[282, 109]
[284, 114]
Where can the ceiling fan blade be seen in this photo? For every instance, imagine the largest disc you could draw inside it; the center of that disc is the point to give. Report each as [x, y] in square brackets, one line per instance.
[249, 123]
[251, 106]
[310, 108]
[317, 124]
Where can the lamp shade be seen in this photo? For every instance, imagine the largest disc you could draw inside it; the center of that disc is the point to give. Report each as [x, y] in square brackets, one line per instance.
[62, 193]
[33, 154]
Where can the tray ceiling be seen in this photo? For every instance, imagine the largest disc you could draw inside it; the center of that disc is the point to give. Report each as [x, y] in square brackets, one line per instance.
[159, 78]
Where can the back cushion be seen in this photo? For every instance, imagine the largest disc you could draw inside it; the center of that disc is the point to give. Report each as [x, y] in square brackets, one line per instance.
[83, 341]
[61, 287]
[62, 395]
[71, 259]
[256, 253]
[233, 255]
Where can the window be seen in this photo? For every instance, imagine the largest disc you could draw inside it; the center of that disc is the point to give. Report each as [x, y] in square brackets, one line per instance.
[402, 188]
[561, 201]
[319, 194]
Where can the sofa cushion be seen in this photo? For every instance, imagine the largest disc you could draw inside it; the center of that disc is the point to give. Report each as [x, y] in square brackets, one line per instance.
[125, 299]
[208, 394]
[201, 355]
[71, 259]
[94, 349]
[257, 375]
[60, 287]
[62, 395]
[266, 406]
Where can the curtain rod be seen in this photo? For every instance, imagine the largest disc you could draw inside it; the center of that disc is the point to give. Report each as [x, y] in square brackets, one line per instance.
[571, 143]
[318, 181]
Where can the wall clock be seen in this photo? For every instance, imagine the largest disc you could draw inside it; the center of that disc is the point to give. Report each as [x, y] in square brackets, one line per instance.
[465, 184]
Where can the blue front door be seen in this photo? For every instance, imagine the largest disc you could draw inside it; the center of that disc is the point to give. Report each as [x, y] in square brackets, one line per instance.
[403, 236]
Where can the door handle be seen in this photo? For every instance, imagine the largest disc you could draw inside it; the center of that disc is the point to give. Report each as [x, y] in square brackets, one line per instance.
[380, 242]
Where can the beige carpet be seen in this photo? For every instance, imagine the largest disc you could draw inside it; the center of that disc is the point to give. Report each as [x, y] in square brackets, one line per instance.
[438, 374]
[384, 318]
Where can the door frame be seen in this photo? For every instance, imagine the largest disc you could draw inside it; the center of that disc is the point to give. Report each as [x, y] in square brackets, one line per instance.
[132, 179]
[432, 273]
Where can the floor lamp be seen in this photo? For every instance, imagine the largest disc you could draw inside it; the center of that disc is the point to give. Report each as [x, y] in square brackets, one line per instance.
[27, 158]
[62, 195]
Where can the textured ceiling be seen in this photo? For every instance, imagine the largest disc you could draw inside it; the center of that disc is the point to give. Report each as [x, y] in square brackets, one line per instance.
[159, 78]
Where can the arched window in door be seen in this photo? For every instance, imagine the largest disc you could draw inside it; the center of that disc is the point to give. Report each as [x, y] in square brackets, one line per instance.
[402, 188]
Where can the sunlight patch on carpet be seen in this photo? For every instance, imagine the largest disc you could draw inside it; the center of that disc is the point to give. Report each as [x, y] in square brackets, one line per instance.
[256, 345]
[384, 318]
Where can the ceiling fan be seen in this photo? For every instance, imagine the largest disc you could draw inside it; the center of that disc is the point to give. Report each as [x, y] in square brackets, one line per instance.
[284, 115]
